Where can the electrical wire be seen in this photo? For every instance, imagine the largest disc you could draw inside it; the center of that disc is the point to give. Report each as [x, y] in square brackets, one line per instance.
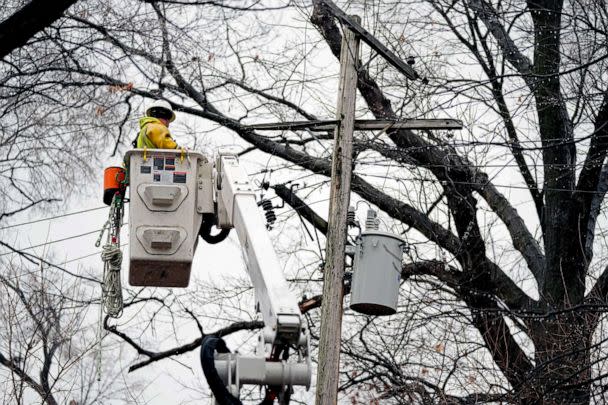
[51, 218]
[507, 186]
[51, 242]
[96, 253]
[54, 241]
[39, 260]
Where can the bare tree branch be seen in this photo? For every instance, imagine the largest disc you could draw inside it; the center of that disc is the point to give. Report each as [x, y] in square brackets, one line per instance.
[45, 394]
[195, 344]
[443, 165]
[36, 15]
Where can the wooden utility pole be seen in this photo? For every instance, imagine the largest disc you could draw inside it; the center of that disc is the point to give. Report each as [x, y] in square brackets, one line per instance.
[339, 199]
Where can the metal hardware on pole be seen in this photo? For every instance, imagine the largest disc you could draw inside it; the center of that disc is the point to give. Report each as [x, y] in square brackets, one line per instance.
[354, 25]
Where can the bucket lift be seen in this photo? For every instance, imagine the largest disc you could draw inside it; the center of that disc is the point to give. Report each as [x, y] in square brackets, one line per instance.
[171, 193]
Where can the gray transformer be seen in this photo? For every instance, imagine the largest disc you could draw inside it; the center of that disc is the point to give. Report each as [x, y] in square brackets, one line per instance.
[376, 273]
[169, 190]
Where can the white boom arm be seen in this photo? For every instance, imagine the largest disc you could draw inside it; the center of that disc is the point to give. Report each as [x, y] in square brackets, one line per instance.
[237, 207]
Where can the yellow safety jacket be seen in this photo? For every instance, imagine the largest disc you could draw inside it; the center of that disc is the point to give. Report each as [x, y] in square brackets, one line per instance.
[154, 135]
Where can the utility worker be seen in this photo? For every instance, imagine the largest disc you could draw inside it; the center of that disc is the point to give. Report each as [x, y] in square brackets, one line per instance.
[154, 127]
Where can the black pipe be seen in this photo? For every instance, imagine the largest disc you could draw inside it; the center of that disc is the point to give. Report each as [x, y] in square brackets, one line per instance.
[205, 230]
[209, 346]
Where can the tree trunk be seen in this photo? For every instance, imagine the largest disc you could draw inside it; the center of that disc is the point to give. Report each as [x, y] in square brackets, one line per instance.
[563, 366]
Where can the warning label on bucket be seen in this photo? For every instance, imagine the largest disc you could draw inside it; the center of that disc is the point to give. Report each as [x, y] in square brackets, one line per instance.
[179, 177]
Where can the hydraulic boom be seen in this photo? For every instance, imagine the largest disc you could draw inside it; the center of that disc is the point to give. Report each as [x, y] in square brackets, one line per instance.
[284, 328]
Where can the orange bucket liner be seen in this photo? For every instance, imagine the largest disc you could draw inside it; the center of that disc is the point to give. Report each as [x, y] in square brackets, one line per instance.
[113, 182]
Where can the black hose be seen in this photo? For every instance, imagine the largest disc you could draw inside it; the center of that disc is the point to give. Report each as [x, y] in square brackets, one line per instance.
[209, 346]
[205, 230]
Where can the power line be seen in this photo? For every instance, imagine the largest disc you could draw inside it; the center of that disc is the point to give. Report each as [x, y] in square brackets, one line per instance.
[86, 256]
[23, 274]
[32, 259]
[54, 241]
[89, 255]
[435, 181]
[55, 217]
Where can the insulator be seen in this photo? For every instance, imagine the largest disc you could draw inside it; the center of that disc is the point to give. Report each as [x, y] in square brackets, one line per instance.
[270, 217]
[266, 205]
[351, 219]
[371, 222]
[268, 212]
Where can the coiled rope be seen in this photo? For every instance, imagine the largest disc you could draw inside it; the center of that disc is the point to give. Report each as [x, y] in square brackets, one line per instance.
[111, 256]
[112, 288]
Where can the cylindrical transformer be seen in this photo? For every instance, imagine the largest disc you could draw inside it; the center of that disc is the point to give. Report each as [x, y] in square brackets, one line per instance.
[376, 273]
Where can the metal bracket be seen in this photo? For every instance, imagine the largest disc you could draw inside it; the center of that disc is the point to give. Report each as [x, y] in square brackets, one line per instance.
[370, 40]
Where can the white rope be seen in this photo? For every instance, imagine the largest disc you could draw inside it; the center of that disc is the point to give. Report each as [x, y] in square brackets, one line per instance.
[112, 289]
[112, 260]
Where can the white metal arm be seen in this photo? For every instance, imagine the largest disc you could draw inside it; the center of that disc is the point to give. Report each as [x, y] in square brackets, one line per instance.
[278, 305]
[237, 207]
